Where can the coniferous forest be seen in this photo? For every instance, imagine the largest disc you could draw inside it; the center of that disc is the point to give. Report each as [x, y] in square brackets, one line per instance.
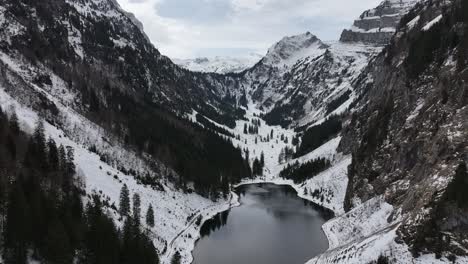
[42, 216]
[302, 172]
[317, 135]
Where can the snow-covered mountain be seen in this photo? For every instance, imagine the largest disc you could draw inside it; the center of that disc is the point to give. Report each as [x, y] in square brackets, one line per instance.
[302, 79]
[220, 64]
[301, 76]
[87, 69]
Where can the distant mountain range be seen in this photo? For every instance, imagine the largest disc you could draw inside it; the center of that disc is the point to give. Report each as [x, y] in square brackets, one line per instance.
[220, 64]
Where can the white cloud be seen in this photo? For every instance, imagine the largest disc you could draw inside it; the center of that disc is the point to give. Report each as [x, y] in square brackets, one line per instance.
[190, 28]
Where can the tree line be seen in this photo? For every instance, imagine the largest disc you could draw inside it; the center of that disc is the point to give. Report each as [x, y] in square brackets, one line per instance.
[302, 172]
[317, 135]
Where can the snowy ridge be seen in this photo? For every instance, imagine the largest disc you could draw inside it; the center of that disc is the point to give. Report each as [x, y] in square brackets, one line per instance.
[219, 64]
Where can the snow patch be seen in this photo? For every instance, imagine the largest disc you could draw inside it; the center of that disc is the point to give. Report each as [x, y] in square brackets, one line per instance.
[430, 24]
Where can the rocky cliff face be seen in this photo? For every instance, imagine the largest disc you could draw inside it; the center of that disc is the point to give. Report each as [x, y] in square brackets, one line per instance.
[408, 133]
[377, 26]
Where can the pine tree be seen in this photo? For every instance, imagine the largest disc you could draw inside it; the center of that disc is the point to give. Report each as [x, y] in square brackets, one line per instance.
[69, 170]
[136, 208]
[70, 161]
[53, 155]
[281, 156]
[39, 138]
[62, 156]
[245, 129]
[176, 258]
[150, 216]
[14, 126]
[124, 205]
[262, 160]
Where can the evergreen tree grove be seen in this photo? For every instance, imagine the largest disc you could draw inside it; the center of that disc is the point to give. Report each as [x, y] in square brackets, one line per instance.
[44, 221]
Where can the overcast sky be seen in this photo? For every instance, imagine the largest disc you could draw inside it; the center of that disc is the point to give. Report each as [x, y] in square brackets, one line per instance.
[195, 28]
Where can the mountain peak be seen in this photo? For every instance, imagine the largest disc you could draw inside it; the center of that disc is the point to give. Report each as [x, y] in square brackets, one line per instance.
[290, 49]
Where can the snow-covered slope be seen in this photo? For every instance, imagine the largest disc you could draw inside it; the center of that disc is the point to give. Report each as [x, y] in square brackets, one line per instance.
[175, 210]
[301, 77]
[220, 64]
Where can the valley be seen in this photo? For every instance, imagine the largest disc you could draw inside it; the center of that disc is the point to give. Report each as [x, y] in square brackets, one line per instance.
[371, 128]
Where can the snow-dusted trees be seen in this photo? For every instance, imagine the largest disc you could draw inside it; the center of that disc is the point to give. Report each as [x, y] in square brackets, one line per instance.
[150, 216]
[41, 214]
[286, 154]
[124, 204]
[258, 164]
[252, 128]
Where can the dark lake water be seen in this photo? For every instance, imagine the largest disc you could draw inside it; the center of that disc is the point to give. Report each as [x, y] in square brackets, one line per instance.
[272, 226]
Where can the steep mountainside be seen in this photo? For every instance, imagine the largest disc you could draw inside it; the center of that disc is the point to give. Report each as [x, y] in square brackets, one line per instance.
[408, 133]
[90, 57]
[91, 42]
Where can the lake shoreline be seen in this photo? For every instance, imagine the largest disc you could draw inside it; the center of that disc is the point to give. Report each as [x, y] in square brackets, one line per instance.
[323, 213]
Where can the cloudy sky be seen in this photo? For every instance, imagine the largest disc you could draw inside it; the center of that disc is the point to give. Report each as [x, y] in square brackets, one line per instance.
[195, 28]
